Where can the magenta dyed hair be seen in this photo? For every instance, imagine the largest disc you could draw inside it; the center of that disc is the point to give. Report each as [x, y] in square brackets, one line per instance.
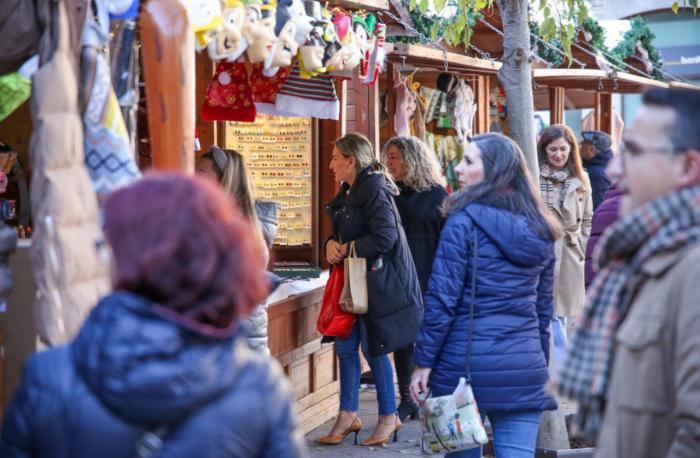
[178, 242]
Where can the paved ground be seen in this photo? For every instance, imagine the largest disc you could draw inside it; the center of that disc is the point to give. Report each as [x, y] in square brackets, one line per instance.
[407, 444]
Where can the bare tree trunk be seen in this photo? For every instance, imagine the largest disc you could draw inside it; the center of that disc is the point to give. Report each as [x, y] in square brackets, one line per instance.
[516, 77]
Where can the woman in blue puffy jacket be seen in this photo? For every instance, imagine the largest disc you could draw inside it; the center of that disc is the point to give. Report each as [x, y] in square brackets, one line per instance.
[513, 307]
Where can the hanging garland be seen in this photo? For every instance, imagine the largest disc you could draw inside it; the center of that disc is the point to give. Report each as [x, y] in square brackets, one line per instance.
[639, 32]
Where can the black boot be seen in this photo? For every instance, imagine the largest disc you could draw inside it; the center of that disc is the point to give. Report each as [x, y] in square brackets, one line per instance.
[403, 361]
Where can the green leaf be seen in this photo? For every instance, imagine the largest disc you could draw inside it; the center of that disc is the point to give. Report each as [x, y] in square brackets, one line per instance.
[566, 45]
[571, 31]
[480, 4]
[462, 5]
[423, 5]
[582, 14]
[411, 5]
[674, 8]
[439, 5]
[543, 3]
[461, 23]
[548, 28]
[434, 31]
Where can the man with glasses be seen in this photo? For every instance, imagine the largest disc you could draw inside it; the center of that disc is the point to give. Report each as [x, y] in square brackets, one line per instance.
[634, 361]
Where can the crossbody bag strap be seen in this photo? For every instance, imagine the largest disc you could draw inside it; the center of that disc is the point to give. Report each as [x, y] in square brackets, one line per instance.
[470, 332]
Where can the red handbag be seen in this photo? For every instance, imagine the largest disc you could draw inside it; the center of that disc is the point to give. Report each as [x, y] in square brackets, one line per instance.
[334, 321]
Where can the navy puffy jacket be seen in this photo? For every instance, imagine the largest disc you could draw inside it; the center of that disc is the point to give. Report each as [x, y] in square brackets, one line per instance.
[130, 368]
[512, 315]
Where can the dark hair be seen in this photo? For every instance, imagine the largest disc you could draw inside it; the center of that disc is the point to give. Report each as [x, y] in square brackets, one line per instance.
[178, 242]
[684, 133]
[507, 184]
[556, 132]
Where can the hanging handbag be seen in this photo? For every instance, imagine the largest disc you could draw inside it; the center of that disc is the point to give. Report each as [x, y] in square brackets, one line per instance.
[332, 320]
[353, 298]
[452, 423]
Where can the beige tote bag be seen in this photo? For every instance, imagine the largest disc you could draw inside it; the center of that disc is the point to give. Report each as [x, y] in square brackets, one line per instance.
[353, 298]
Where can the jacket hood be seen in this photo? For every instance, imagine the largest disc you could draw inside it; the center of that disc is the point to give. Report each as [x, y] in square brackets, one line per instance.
[512, 235]
[147, 368]
[600, 159]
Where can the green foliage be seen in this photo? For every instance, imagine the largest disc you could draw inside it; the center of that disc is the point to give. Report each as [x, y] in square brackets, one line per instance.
[597, 32]
[691, 3]
[639, 32]
[552, 53]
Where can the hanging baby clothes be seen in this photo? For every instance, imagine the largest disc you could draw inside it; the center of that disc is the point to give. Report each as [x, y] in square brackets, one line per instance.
[305, 97]
[229, 95]
[405, 106]
[108, 155]
[266, 88]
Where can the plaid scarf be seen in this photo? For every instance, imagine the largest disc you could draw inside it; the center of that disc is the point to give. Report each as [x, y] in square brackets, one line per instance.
[668, 223]
[549, 181]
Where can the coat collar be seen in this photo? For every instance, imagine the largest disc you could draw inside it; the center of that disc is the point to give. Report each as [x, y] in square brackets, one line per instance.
[659, 264]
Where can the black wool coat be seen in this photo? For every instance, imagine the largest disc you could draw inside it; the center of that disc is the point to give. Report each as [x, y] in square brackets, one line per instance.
[366, 214]
[422, 222]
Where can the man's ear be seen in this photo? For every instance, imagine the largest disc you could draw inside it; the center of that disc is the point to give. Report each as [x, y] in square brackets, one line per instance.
[690, 174]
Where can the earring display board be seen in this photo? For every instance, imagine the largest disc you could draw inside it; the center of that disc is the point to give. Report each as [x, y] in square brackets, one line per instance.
[278, 154]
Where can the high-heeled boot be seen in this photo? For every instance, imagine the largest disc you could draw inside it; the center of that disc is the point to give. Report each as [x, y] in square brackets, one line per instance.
[403, 361]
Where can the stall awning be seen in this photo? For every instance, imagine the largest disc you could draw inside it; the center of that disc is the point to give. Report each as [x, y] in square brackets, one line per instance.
[433, 58]
[594, 80]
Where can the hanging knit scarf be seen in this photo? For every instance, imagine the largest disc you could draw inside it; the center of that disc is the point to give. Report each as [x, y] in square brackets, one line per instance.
[669, 223]
[550, 180]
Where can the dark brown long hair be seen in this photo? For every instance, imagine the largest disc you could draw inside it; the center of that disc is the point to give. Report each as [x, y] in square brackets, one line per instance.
[573, 164]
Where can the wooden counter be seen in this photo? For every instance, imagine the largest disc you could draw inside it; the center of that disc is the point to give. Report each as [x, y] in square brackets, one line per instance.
[310, 366]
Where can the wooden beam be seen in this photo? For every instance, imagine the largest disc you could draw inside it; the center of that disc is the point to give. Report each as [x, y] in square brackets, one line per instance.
[483, 108]
[425, 55]
[606, 113]
[557, 97]
[596, 111]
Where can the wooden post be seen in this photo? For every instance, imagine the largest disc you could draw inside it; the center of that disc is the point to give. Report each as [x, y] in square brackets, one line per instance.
[556, 105]
[606, 113]
[482, 123]
[596, 111]
[390, 100]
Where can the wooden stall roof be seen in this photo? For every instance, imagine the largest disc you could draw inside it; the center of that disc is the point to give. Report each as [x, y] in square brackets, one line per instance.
[427, 57]
[681, 85]
[593, 80]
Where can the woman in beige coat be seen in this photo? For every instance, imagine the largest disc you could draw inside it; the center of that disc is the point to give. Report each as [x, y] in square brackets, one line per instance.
[566, 190]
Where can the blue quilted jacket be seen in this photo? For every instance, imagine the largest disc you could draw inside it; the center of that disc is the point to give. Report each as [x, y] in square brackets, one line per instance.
[512, 314]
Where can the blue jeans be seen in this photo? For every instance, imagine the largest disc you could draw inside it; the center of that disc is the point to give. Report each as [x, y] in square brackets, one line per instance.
[347, 350]
[514, 436]
[559, 337]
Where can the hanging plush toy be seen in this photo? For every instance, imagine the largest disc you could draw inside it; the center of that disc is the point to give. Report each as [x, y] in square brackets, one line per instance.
[229, 43]
[286, 46]
[206, 19]
[229, 95]
[260, 31]
[362, 36]
[302, 20]
[342, 63]
[377, 56]
[310, 56]
[465, 109]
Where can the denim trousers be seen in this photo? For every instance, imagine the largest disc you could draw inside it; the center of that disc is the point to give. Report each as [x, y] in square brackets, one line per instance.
[559, 336]
[514, 435]
[349, 357]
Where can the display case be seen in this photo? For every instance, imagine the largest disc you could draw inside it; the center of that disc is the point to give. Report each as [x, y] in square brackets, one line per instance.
[279, 154]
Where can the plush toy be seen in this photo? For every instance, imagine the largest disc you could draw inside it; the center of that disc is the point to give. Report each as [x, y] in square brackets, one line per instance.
[286, 46]
[266, 88]
[206, 19]
[376, 57]
[314, 96]
[362, 34]
[302, 20]
[229, 43]
[260, 31]
[310, 56]
[229, 95]
[341, 63]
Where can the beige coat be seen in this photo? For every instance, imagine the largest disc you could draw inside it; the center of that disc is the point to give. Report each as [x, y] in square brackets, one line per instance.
[575, 215]
[653, 408]
[70, 275]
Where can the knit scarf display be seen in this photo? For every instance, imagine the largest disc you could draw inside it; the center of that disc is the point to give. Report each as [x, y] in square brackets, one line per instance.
[551, 179]
[668, 223]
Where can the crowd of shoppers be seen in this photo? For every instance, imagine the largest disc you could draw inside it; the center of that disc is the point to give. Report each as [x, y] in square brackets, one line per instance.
[162, 365]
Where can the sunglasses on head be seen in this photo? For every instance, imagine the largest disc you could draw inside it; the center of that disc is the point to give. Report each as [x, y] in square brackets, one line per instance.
[220, 158]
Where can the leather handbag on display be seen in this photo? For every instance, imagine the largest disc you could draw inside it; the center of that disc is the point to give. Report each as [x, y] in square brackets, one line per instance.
[452, 423]
[353, 298]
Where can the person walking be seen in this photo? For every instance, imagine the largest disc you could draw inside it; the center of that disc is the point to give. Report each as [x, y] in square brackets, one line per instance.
[633, 362]
[416, 171]
[364, 213]
[227, 167]
[513, 290]
[603, 217]
[160, 364]
[596, 153]
[566, 191]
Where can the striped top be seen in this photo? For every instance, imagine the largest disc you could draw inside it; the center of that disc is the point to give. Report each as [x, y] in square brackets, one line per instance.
[319, 87]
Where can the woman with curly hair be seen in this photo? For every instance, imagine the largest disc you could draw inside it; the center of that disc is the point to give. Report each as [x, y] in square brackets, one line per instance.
[417, 174]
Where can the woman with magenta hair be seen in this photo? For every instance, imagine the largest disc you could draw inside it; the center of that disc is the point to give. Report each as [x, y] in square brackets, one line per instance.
[159, 367]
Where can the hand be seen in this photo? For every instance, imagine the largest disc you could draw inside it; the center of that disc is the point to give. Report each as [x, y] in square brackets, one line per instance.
[334, 252]
[419, 383]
